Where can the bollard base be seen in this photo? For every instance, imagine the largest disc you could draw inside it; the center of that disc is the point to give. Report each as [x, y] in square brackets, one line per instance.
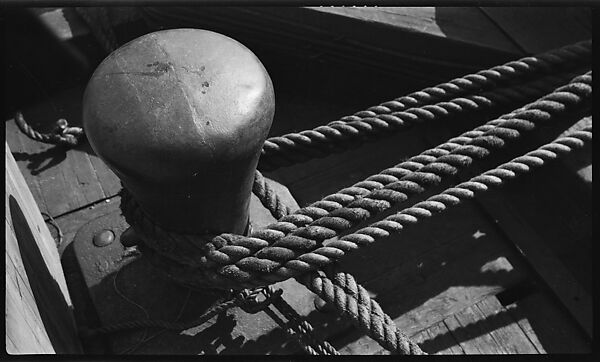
[124, 287]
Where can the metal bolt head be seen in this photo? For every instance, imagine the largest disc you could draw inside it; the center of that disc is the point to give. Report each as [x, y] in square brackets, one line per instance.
[104, 237]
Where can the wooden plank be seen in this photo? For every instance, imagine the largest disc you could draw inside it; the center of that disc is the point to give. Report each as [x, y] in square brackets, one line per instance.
[460, 24]
[23, 323]
[318, 36]
[436, 294]
[580, 162]
[539, 29]
[539, 217]
[504, 329]
[65, 179]
[547, 325]
[36, 288]
[548, 265]
[16, 187]
[523, 322]
[23, 155]
[437, 339]
[66, 23]
[473, 337]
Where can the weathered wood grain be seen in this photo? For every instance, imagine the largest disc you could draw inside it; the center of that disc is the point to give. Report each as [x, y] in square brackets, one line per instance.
[505, 331]
[539, 29]
[419, 303]
[541, 210]
[547, 325]
[38, 310]
[437, 339]
[473, 336]
[545, 262]
[61, 179]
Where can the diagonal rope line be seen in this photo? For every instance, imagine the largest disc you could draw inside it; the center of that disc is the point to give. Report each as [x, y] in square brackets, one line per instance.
[397, 114]
[289, 237]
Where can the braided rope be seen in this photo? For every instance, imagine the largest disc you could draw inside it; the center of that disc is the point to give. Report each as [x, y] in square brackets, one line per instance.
[395, 115]
[352, 300]
[62, 134]
[276, 249]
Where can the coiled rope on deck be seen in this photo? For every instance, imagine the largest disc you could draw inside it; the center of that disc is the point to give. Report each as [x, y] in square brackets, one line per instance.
[395, 115]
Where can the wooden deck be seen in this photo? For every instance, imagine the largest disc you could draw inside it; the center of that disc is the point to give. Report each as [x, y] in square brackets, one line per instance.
[508, 273]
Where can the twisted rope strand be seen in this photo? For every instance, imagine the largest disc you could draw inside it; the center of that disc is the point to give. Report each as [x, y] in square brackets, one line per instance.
[464, 191]
[352, 300]
[229, 248]
[268, 197]
[503, 96]
[279, 261]
[395, 115]
[62, 135]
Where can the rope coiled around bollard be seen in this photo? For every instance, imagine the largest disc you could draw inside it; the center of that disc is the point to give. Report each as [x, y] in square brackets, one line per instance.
[228, 248]
[394, 115]
[345, 298]
[288, 239]
[268, 197]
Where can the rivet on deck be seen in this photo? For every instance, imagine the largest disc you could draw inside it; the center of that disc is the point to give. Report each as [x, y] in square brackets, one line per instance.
[104, 238]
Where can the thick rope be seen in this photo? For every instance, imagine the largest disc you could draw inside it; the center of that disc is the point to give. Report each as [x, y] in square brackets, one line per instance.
[394, 115]
[465, 190]
[268, 197]
[435, 204]
[229, 248]
[290, 237]
[61, 135]
[352, 300]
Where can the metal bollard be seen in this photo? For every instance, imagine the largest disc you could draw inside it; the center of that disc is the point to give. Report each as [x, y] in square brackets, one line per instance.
[180, 116]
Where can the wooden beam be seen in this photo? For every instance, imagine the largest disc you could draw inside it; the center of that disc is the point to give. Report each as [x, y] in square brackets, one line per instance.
[38, 313]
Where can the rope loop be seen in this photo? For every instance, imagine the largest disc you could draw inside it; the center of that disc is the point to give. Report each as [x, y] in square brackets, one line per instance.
[61, 134]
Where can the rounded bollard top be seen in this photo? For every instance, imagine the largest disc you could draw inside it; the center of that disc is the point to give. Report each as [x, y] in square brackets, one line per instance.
[172, 103]
[179, 113]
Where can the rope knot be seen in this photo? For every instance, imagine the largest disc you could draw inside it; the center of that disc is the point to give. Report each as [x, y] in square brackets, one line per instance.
[67, 135]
